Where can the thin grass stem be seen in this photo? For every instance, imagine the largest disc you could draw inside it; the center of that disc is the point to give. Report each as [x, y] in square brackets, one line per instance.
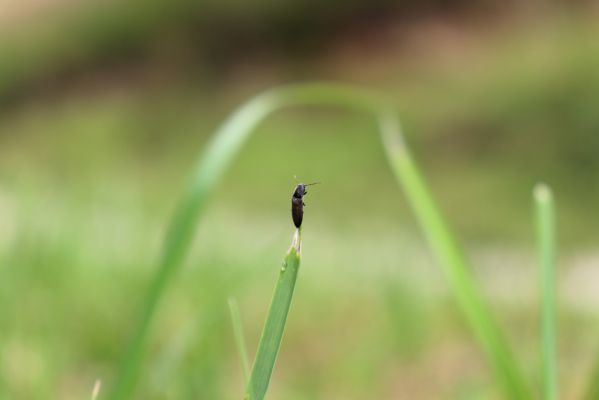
[451, 258]
[96, 389]
[545, 227]
[239, 339]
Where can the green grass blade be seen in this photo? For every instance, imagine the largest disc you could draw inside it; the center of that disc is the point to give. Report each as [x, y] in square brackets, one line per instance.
[545, 226]
[452, 260]
[219, 153]
[226, 143]
[272, 334]
[239, 338]
[96, 389]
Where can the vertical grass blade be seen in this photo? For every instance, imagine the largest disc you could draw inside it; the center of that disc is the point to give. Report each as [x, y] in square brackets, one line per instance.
[96, 389]
[454, 264]
[545, 227]
[239, 339]
[272, 334]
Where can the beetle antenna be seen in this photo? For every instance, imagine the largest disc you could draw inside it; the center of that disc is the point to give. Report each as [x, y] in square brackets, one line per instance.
[313, 183]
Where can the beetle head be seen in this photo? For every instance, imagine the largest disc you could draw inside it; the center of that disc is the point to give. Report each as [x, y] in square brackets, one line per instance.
[300, 190]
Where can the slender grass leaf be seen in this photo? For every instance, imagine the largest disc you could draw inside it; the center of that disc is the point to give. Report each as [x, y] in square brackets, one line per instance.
[451, 258]
[272, 334]
[96, 389]
[239, 338]
[545, 227]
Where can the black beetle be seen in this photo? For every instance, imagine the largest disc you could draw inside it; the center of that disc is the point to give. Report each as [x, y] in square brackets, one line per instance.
[297, 203]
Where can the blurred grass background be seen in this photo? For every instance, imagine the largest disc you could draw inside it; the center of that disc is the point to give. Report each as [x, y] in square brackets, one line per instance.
[105, 106]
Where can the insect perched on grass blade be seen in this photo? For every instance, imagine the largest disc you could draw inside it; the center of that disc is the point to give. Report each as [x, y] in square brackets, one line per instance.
[297, 203]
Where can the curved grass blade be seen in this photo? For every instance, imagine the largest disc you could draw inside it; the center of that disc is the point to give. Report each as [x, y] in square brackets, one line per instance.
[239, 338]
[272, 334]
[545, 226]
[219, 153]
[452, 260]
[229, 139]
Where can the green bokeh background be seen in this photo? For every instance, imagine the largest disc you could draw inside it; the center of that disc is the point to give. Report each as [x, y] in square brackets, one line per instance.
[105, 108]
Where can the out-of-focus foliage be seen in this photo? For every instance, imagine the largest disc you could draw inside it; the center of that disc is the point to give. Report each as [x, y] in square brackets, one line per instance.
[104, 107]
